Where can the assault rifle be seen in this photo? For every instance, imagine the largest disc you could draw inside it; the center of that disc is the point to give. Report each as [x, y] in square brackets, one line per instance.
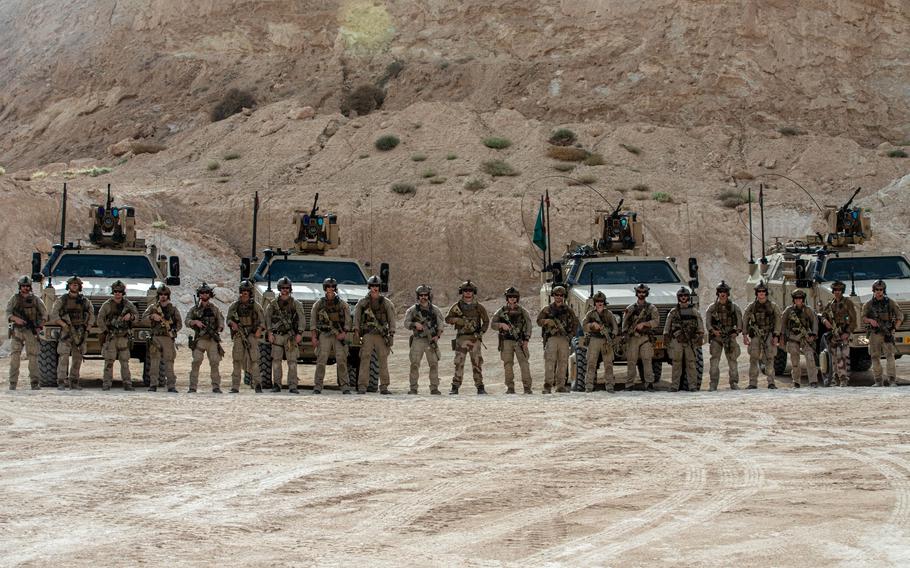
[837, 329]
[287, 324]
[29, 324]
[640, 313]
[802, 334]
[469, 326]
[511, 334]
[209, 329]
[430, 328]
[726, 336]
[244, 333]
[686, 331]
[371, 322]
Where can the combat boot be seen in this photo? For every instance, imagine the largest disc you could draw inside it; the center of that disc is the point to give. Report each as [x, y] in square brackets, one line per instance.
[734, 387]
[673, 389]
[772, 386]
[412, 391]
[481, 390]
[75, 386]
[528, 390]
[105, 387]
[346, 391]
[59, 388]
[384, 390]
[610, 388]
[361, 391]
[235, 391]
[435, 391]
[371, 389]
[276, 388]
[293, 390]
[259, 388]
[36, 387]
[317, 390]
[172, 389]
[153, 388]
[796, 385]
[191, 390]
[813, 385]
[216, 390]
[510, 390]
[546, 390]
[712, 387]
[128, 386]
[753, 387]
[454, 390]
[13, 387]
[649, 387]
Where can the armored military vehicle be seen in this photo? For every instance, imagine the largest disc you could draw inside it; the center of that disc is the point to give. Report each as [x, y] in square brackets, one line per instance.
[614, 263]
[306, 265]
[113, 252]
[814, 262]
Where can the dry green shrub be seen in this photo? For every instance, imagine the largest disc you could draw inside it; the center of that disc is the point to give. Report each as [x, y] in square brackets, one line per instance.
[586, 179]
[419, 157]
[631, 149]
[898, 153]
[498, 168]
[404, 188]
[231, 156]
[497, 143]
[233, 102]
[363, 100]
[147, 148]
[562, 137]
[387, 142]
[213, 165]
[438, 180]
[640, 187]
[475, 184]
[789, 131]
[662, 197]
[567, 153]
[564, 166]
[595, 160]
[733, 198]
[428, 174]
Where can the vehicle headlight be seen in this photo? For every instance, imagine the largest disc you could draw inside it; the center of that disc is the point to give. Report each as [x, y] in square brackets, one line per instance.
[144, 334]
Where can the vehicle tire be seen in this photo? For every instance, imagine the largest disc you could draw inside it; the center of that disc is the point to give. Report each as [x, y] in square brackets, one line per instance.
[354, 370]
[265, 364]
[825, 364]
[581, 365]
[780, 362]
[373, 385]
[860, 360]
[47, 363]
[699, 372]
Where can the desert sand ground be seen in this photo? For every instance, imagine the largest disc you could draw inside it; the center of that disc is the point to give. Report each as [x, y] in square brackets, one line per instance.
[748, 478]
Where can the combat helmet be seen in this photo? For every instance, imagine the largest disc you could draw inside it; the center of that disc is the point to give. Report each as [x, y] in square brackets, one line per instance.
[761, 287]
[423, 289]
[284, 282]
[798, 294]
[246, 286]
[163, 291]
[74, 280]
[512, 292]
[599, 297]
[25, 281]
[118, 286]
[329, 282]
[642, 288]
[205, 289]
[467, 286]
[558, 291]
[683, 291]
[880, 284]
[723, 287]
[374, 281]
[838, 285]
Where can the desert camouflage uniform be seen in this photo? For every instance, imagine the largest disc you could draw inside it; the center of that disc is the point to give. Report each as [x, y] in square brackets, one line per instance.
[250, 321]
[162, 344]
[884, 311]
[640, 344]
[118, 339]
[512, 344]
[471, 321]
[423, 343]
[762, 320]
[79, 317]
[685, 331]
[207, 344]
[32, 310]
[557, 344]
[285, 320]
[329, 319]
[600, 344]
[727, 319]
[793, 322]
[842, 316]
[377, 336]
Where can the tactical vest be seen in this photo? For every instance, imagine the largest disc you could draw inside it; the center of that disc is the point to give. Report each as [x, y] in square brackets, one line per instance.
[519, 325]
[288, 319]
[880, 310]
[764, 316]
[805, 318]
[28, 307]
[470, 312]
[633, 317]
[839, 314]
[247, 315]
[378, 307]
[563, 316]
[427, 317]
[600, 318]
[724, 317]
[333, 311]
[210, 320]
[74, 308]
[162, 327]
[686, 321]
[114, 322]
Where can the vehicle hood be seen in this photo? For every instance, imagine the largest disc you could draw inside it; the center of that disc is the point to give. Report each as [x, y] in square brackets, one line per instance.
[897, 290]
[93, 287]
[311, 292]
[623, 295]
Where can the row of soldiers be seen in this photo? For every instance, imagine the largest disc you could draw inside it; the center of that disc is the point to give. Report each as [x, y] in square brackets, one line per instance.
[765, 329]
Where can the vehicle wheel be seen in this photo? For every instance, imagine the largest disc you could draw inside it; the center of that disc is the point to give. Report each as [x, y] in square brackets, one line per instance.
[146, 371]
[581, 365]
[860, 361]
[373, 385]
[656, 370]
[47, 363]
[265, 364]
[825, 365]
[699, 372]
[780, 362]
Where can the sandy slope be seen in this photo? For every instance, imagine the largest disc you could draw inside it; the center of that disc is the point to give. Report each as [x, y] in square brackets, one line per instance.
[759, 478]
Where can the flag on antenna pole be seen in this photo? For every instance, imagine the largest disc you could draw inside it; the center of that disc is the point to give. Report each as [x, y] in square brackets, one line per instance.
[540, 230]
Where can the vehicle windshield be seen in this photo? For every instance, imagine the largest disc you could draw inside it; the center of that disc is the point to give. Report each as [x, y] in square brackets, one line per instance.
[315, 271]
[607, 273]
[867, 268]
[105, 266]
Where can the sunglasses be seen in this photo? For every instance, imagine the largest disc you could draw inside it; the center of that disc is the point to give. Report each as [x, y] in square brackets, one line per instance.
[878, 289]
[423, 295]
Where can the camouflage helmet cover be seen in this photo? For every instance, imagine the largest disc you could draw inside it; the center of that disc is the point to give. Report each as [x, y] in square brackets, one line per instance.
[246, 286]
[838, 285]
[205, 289]
[163, 291]
[25, 281]
[683, 291]
[374, 281]
[74, 280]
[880, 284]
[558, 291]
[423, 289]
[512, 292]
[723, 287]
[599, 297]
[761, 287]
[118, 286]
[798, 294]
[284, 282]
[467, 286]
[329, 283]
[642, 288]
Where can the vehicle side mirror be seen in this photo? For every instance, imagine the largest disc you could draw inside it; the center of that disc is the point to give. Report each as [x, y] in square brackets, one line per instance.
[172, 281]
[245, 268]
[173, 266]
[384, 277]
[693, 285]
[693, 268]
[800, 270]
[556, 270]
[36, 267]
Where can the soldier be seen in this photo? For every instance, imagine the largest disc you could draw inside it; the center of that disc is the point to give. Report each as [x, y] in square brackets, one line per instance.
[513, 323]
[330, 319]
[638, 324]
[165, 321]
[762, 320]
[115, 322]
[27, 315]
[75, 315]
[425, 322]
[600, 329]
[558, 323]
[882, 316]
[471, 321]
[285, 320]
[207, 322]
[839, 317]
[725, 322]
[799, 329]
[247, 322]
[374, 322]
[687, 334]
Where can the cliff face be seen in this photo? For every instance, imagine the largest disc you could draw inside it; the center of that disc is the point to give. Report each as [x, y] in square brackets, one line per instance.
[81, 74]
